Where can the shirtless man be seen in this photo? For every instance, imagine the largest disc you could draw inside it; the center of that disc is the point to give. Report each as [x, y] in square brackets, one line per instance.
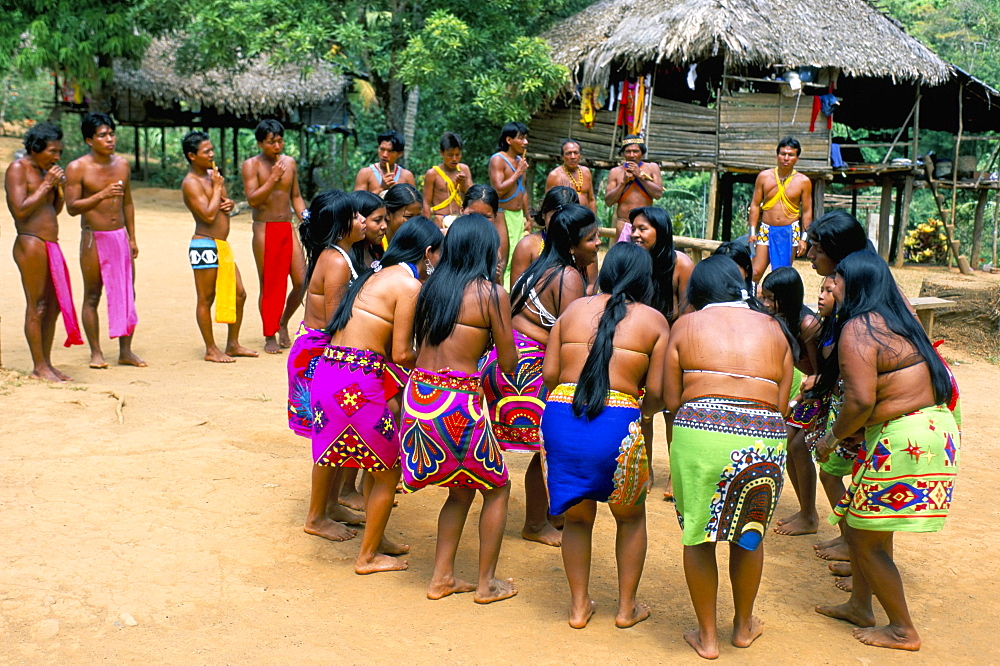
[446, 185]
[507, 168]
[783, 197]
[34, 198]
[99, 188]
[271, 184]
[204, 190]
[633, 184]
[382, 175]
[571, 174]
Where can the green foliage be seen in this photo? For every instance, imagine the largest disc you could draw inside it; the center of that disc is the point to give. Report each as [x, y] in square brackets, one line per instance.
[927, 243]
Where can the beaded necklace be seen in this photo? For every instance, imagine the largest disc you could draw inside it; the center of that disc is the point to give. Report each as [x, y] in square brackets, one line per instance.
[578, 186]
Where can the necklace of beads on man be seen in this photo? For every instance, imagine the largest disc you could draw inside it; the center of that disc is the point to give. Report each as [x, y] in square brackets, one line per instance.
[578, 186]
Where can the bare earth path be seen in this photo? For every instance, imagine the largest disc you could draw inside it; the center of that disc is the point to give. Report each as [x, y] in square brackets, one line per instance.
[176, 536]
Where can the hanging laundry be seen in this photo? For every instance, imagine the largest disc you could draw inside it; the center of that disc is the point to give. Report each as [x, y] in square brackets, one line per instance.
[638, 107]
[587, 107]
[692, 75]
[625, 104]
[826, 104]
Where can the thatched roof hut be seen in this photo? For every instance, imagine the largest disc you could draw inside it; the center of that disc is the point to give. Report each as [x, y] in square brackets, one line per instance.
[848, 34]
[153, 88]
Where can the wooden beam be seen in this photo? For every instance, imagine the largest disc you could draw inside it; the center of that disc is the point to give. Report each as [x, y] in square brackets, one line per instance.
[977, 229]
[712, 214]
[726, 181]
[883, 218]
[819, 198]
[903, 222]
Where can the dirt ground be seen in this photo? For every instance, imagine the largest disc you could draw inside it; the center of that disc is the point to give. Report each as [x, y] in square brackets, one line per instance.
[174, 535]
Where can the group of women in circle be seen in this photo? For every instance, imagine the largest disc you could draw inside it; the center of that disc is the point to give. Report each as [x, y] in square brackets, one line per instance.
[414, 365]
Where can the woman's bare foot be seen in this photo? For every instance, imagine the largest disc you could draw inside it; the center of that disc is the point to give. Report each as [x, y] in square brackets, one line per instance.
[344, 515]
[240, 350]
[849, 613]
[284, 340]
[744, 637]
[392, 548]
[497, 590]
[441, 589]
[693, 637]
[352, 499]
[97, 361]
[840, 568]
[838, 552]
[378, 564]
[888, 637]
[216, 356]
[638, 613]
[271, 345]
[846, 583]
[548, 535]
[329, 529]
[128, 358]
[797, 524]
[47, 374]
[578, 619]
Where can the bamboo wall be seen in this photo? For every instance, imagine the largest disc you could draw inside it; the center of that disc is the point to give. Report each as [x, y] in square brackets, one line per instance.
[751, 124]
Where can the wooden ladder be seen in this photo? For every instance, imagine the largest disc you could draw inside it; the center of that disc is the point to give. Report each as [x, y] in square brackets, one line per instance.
[946, 217]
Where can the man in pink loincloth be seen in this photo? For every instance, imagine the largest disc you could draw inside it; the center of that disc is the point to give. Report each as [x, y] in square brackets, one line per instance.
[99, 188]
[34, 196]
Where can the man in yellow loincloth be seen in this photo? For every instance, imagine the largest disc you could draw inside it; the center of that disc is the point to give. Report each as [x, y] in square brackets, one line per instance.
[782, 206]
[446, 184]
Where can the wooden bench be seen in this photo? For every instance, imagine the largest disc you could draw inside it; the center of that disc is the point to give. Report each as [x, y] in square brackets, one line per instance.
[926, 306]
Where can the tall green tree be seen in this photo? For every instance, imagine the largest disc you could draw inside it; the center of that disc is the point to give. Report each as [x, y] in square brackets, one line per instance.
[79, 40]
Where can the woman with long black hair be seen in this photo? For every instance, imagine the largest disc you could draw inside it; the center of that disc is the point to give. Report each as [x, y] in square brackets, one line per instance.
[334, 225]
[371, 248]
[602, 352]
[896, 388]
[516, 401]
[445, 435]
[353, 426]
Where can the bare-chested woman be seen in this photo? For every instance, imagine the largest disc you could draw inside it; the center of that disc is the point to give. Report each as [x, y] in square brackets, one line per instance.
[516, 401]
[529, 247]
[459, 311]
[728, 369]
[372, 207]
[330, 230]
[372, 324]
[602, 352]
[899, 390]
[34, 197]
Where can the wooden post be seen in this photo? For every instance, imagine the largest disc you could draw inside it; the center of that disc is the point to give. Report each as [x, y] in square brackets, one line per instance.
[915, 151]
[954, 163]
[996, 218]
[854, 200]
[727, 206]
[236, 150]
[883, 218]
[977, 229]
[894, 241]
[222, 149]
[904, 220]
[137, 168]
[163, 148]
[819, 197]
[712, 210]
[145, 158]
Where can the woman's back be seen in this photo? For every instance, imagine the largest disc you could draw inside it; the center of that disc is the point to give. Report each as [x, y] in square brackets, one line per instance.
[384, 306]
[329, 280]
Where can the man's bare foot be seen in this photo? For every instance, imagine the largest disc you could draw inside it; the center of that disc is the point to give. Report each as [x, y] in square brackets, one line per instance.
[392, 548]
[668, 494]
[888, 637]
[97, 361]
[284, 340]
[329, 529]
[216, 356]
[826, 544]
[352, 499]
[578, 619]
[441, 589]
[839, 552]
[743, 638]
[344, 515]
[796, 525]
[378, 564]
[271, 345]
[849, 613]
[638, 613]
[846, 583]
[497, 590]
[840, 568]
[60, 374]
[548, 535]
[693, 637]
[47, 374]
[240, 350]
[129, 358]
[794, 516]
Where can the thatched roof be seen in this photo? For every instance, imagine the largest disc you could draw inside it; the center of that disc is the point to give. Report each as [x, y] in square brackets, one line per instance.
[849, 34]
[260, 88]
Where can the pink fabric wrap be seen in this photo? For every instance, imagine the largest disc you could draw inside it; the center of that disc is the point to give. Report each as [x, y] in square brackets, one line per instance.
[64, 293]
[115, 258]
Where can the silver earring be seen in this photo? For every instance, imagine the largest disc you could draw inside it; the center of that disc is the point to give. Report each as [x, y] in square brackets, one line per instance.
[429, 266]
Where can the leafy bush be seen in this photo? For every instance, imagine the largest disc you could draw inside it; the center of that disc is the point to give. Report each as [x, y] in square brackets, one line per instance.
[927, 243]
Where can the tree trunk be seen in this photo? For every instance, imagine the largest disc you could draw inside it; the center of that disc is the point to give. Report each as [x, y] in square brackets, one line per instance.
[410, 121]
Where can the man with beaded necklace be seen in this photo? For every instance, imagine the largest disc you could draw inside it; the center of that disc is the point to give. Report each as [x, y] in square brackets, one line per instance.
[572, 174]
